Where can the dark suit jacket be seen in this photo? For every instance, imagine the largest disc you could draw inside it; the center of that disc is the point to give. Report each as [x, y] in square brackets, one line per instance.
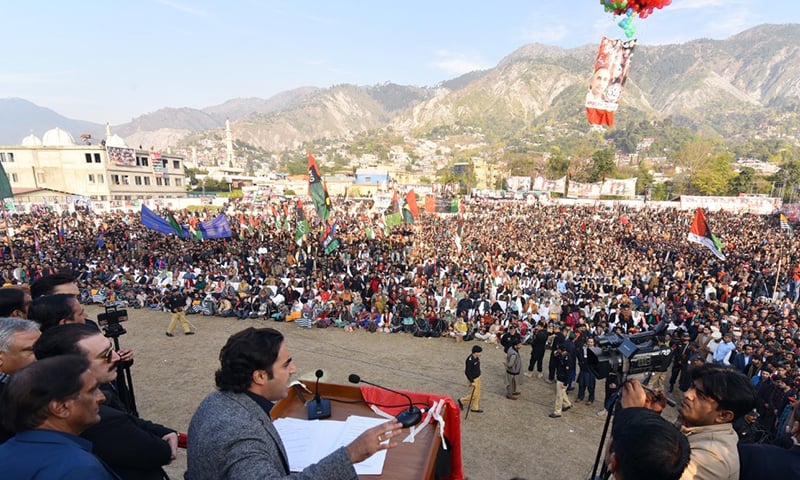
[232, 437]
[768, 462]
[132, 447]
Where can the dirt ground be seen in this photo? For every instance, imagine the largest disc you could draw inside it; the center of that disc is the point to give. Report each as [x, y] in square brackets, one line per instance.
[510, 439]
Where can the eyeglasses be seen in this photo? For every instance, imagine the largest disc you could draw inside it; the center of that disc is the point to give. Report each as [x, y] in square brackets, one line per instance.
[108, 355]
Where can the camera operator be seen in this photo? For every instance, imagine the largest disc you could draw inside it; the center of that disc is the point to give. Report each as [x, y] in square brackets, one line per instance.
[65, 283]
[717, 396]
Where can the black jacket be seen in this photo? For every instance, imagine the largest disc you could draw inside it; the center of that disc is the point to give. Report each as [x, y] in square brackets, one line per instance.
[473, 368]
[132, 447]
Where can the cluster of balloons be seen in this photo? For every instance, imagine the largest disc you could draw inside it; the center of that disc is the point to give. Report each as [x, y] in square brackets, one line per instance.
[631, 8]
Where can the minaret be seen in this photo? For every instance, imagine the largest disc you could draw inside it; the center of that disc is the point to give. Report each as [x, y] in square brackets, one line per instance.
[108, 131]
[229, 142]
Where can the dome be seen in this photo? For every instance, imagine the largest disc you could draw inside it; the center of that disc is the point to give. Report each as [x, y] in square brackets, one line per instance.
[115, 141]
[31, 141]
[57, 137]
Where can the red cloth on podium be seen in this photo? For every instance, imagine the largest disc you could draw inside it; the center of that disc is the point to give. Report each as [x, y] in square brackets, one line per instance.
[452, 419]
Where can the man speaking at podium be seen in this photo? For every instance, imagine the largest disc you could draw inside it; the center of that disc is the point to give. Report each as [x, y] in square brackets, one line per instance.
[231, 435]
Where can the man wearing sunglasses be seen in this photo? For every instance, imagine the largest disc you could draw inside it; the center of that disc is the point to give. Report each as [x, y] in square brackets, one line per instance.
[134, 448]
[717, 396]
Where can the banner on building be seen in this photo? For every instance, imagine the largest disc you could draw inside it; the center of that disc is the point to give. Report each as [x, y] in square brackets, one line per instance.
[551, 186]
[121, 156]
[159, 165]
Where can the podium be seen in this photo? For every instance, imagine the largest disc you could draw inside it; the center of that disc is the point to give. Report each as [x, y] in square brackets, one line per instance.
[406, 460]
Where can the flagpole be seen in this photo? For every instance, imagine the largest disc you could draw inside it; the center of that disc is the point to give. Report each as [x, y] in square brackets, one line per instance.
[777, 277]
[8, 231]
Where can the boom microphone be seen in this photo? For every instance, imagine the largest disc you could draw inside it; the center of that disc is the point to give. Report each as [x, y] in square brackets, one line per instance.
[409, 417]
[318, 408]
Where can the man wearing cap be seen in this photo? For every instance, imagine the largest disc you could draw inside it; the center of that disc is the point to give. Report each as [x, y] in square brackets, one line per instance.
[473, 372]
[563, 371]
[177, 305]
[513, 366]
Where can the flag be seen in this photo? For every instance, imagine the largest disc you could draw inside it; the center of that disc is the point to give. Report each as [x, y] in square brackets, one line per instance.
[410, 209]
[329, 241]
[175, 225]
[154, 222]
[5, 186]
[369, 233]
[302, 228]
[785, 223]
[700, 233]
[317, 190]
[36, 240]
[455, 205]
[459, 232]
[393, 215]
[217, 227]
[60, 231]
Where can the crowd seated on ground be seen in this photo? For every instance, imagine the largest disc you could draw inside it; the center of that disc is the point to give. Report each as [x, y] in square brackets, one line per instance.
[594, 270]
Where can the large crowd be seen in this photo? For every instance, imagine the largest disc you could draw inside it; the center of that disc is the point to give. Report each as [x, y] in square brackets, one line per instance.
[595, 270]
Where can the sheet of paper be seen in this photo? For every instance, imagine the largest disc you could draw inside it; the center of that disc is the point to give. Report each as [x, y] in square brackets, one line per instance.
[355, 426]
[309, 441]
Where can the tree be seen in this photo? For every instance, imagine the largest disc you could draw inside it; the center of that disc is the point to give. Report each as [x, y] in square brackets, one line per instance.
[689, 158]
[557, 164]
[602, 165]
[744, 182]
[713, 178]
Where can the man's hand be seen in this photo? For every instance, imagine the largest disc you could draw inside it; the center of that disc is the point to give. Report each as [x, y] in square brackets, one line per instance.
[373, 440]
[172, 440]
[633, 394]
[125, 354]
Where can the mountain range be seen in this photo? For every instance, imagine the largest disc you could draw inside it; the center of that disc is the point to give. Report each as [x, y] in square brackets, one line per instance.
[714, 86]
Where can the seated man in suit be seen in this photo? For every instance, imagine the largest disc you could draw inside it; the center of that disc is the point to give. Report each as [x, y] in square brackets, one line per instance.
[48, 404]
[231, 435]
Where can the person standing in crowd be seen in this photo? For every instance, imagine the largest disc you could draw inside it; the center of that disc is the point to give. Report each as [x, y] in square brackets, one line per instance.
[176, 303]
[231, 434]
[135, 449]
[770, 462]
[472, 370]
[663, 456]
[17, 337]
[14, 302]
[56, 309]
[538, 348]
[717, 396]
[563, 371]
[586, 380]
[47, 405]
[513, 366]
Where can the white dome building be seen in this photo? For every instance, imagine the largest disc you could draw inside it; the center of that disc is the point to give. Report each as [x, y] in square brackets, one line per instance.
[57, 138]
[31, 141]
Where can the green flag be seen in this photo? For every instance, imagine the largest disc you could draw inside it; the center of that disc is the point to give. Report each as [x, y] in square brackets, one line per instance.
[302, 228]
[5, 187]
[175, 225]
[317, 191]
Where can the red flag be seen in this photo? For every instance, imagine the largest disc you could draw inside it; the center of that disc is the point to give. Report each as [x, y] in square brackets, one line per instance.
[411, 200]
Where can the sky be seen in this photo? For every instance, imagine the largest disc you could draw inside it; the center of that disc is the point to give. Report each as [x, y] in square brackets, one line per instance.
[113, 60]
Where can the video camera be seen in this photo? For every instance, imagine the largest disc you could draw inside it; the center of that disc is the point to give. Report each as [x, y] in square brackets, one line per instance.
[111, 319]
[629, 354]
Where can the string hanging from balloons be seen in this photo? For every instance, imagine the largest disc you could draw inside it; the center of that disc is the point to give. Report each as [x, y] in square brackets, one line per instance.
[629, 9]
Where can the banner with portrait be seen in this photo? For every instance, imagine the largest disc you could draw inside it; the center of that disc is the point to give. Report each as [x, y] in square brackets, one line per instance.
[609, 75]
[552, 186]
[615, 187]
[583, 190]
[121, 156]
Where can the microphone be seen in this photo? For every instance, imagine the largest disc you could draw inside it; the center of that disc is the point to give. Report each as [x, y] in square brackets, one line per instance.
[409, 417]
[318, 408]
